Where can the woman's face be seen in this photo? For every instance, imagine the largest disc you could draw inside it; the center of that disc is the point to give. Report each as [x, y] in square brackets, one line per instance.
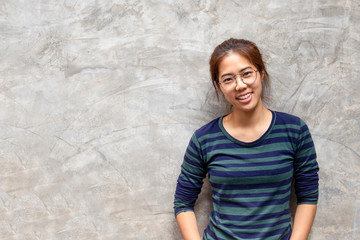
[243, 98]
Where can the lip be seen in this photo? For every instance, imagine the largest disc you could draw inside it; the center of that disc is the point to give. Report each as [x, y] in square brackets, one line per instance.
[246, 100]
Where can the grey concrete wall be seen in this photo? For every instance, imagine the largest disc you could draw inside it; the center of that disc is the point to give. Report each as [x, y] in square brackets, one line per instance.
[98, 100]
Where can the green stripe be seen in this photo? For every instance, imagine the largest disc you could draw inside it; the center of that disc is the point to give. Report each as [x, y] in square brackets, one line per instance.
[283, 134]
[195, 178]
[307, 167]
[192, 150]
[210, 135]
[259, 230]
[306, 152]
[287, 126]
[251, 199]
[247, 191]
[195, 141]
[250, 223]
[254, 160]
[257, 168]
[250, 180]
[192, 169]
[191, 157]
[271, 147]
[250, 211]
[213, 143]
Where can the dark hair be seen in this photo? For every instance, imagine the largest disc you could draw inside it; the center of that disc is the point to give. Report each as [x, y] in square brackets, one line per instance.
[245, 48]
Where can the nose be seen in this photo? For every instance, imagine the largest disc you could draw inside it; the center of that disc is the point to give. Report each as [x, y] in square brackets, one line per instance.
[239, 83]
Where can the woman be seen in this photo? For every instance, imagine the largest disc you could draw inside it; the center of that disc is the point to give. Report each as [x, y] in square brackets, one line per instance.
[251, 157]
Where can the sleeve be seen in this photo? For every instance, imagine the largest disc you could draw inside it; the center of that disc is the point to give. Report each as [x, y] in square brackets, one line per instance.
[306, 168]
[190, 180]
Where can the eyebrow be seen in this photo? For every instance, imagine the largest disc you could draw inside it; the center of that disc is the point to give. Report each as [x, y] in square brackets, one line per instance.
[226, 74]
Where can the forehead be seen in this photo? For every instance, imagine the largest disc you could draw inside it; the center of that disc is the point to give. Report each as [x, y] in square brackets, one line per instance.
[233, 62]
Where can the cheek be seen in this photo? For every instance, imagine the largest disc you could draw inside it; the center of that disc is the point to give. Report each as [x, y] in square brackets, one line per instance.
[259, 85]
[228, 96]
[225, 94]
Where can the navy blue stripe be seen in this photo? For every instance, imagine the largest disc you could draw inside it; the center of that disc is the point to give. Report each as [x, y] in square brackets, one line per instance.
[213, 139]
[255, 164]
[255, 173]
[306, 158]
[279, 140]
[208, 231]
[251, 195]
[258, 155]
[257, 226]
[225, 203]
[189, 176]
[245, 186]
[285, 130]
[253, 218]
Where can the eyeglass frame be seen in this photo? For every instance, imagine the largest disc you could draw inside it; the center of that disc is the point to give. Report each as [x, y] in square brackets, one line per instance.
[241, 78]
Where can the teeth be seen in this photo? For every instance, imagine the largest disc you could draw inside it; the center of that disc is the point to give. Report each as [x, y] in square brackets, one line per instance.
[245, 96]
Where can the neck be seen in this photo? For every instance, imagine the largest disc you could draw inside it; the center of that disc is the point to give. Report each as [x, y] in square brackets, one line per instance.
[248, 118]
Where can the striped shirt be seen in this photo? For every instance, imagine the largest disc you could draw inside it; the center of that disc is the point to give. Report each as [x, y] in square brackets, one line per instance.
[251, 182]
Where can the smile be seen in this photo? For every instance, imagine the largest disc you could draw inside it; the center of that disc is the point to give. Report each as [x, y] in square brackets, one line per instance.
[244, 96]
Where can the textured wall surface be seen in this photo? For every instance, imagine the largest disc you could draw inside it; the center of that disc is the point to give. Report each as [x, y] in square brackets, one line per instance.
[98, 100]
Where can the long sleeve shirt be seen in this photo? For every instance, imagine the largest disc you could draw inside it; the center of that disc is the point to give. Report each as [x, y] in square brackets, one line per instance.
[251, 182]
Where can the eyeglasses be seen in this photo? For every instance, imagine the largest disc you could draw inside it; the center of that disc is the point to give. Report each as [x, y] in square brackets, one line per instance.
[248, 76]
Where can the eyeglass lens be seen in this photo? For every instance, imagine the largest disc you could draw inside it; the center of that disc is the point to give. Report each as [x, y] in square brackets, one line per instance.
[248, 77]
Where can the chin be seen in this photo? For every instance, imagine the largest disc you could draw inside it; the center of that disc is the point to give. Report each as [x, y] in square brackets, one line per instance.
[248, 108]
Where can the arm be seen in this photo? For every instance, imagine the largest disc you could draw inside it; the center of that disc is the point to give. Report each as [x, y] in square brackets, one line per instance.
[306, 184]
[188, 188]
[188, 226]
[304, 218]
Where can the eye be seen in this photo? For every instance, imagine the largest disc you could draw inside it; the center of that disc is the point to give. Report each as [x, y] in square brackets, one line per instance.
[247, 74]
[227, 80]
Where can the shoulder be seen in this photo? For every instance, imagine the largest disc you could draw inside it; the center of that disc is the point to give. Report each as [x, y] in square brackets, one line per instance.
[289, 119]
[209, 128]
[286, 118]
[290, 122]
